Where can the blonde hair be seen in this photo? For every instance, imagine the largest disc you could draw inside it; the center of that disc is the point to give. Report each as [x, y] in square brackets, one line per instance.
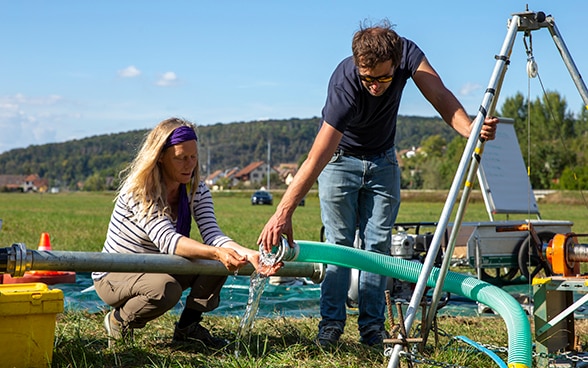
[143, 178]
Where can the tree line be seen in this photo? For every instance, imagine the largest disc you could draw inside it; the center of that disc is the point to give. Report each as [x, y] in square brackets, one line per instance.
[552, 140]
[551, 137]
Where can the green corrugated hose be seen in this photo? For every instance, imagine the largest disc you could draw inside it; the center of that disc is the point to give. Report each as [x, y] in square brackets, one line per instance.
[517, 323]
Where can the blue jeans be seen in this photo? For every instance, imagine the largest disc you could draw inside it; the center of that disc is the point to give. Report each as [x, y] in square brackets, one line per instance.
[358, 193]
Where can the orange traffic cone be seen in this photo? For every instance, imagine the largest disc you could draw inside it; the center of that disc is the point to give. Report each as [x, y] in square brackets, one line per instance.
[47, 277]
[44, 242]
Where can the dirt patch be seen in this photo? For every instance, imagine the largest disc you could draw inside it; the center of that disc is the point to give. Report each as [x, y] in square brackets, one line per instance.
[564, 197]
[555, 197]
[435, 196]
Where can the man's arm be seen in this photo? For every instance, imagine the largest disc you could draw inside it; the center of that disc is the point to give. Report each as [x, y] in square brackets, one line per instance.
[322, 150]
[445, 102]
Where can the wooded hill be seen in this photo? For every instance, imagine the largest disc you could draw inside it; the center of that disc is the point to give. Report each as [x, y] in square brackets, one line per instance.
[222, 146]
[554, 141]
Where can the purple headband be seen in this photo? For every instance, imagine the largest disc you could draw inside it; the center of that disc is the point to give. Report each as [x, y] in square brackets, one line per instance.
[180, 135]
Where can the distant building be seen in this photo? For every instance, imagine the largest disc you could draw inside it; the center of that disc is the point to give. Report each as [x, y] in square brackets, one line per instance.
[287, 171]
[11, 183]
[33, 183]
[230, 174]
[214, 177]
[252, 174]
[21, 183]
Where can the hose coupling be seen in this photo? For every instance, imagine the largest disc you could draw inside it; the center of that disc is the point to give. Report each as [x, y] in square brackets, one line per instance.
[17, 260]
[281, 252]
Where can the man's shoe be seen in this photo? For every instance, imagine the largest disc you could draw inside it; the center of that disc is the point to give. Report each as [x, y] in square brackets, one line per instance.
[196, 332]
[374, 338]
[116, 330]
[328, 336]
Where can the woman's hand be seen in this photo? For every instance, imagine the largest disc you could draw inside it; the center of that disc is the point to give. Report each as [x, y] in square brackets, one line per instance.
[230, 258]
[261, 268]
[253, 257]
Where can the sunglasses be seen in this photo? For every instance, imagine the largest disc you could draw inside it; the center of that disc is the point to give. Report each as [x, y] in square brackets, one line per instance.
[370, 79]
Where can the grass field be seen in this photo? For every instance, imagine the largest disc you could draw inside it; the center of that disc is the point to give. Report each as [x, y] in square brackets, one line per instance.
[78, 221]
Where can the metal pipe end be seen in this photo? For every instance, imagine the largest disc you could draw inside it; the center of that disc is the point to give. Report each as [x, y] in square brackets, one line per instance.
[16, 263]
[319, 273]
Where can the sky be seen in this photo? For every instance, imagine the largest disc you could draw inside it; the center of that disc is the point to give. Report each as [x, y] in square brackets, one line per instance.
[76, 69]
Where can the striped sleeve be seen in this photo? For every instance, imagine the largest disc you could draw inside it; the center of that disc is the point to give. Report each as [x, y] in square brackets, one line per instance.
[203, 211]
[130, 233]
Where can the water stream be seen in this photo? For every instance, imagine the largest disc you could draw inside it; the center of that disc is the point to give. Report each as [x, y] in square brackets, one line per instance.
[256, 287]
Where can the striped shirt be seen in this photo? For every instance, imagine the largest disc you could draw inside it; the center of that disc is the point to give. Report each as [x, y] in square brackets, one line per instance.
[131, 232]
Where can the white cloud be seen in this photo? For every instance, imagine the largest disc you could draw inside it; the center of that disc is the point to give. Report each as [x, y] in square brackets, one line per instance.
[469, 88]
[167, 79]
[26, 120]
[129, 72]
[20, 99]
[22, 130]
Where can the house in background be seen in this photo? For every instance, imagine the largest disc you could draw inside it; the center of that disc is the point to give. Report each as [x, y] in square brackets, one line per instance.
[230, 174]
[213, 178]
[21, 183]
[33, 183]
[220, 178]
[252, 174]
[11, 183]
[287, 171]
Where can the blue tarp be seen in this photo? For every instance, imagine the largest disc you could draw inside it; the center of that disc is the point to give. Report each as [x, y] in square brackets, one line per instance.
[297, 300]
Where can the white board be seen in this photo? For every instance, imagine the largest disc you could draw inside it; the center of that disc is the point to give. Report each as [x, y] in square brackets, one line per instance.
[502, 175]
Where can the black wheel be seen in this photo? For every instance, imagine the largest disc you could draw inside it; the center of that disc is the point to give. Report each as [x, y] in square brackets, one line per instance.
[531, 263]
[499, 276]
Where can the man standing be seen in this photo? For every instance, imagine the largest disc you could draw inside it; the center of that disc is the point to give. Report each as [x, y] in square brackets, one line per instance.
[353, 157]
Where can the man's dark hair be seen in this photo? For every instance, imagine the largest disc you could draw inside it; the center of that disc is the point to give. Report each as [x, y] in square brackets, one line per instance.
[376, 44]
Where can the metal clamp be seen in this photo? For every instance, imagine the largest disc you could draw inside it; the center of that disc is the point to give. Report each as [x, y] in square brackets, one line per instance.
[18, 262]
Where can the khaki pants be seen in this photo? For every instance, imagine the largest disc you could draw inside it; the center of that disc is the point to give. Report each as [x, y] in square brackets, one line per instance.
[142, 297]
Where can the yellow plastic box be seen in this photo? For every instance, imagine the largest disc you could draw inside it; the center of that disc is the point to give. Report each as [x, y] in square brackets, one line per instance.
[27, 324]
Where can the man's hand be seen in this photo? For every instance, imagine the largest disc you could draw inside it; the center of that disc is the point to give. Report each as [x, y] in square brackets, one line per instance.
[488, 132]
[272, 232]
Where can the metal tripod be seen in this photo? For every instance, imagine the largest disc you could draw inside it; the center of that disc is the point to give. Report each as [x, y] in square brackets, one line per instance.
[520, 22]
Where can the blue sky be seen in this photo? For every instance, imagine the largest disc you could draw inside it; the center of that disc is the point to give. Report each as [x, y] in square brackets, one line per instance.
[74, 69]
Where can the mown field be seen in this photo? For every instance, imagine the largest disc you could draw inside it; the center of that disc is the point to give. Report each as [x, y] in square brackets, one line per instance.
[78, 221]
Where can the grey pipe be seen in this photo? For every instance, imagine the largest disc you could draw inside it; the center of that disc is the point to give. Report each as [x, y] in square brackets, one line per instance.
[16, 260]
[567, 59]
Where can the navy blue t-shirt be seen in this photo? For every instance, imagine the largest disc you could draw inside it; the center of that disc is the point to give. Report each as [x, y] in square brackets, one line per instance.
[368, 123]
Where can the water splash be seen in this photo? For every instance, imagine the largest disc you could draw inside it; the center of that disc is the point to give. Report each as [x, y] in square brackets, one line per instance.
[256, 286]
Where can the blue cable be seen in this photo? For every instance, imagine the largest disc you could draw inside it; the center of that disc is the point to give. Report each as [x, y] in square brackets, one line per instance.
[484, 350]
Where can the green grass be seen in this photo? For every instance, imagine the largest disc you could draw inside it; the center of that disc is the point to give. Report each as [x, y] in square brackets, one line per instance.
[75, 221]
[78, 221]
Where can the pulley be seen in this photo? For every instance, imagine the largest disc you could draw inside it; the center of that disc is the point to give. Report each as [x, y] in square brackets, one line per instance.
[532, 68]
